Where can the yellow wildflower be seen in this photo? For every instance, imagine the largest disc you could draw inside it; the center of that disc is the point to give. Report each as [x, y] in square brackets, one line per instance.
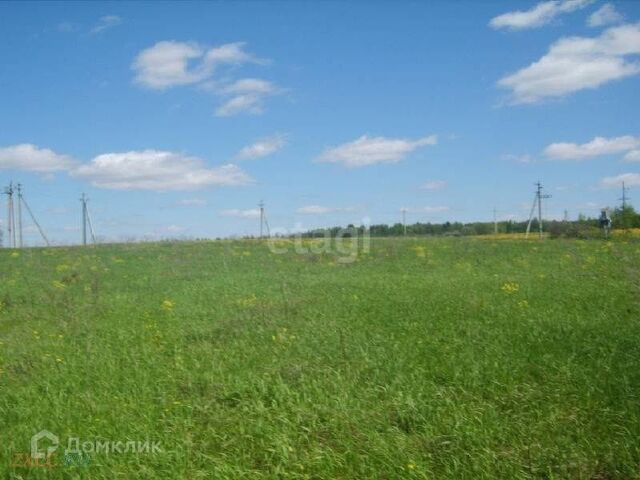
[168, 305]
[421, 252]
[248, 302]
[59, 285]
[282, 336]
[510, 287]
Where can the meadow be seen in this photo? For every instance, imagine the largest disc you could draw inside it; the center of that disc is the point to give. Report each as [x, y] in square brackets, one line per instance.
[425, 358]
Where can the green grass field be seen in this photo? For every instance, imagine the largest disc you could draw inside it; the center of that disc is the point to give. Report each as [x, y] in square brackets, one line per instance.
[425, 358]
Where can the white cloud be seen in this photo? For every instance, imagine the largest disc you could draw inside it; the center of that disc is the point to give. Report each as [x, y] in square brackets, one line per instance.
[510, 157]
[26, 156]
[166, 64]
[632, 156]
[434, 185]
[597, 147]
[629, 179]
[230, 53]
[157, 170]
[371, 150]
[263, 147]
[315, 210]
[605, 15]
[577, 63]
[249, 86]
[245, 96]
[542, 14]
[105, 23]
[175, 229]
[170, 63]
[251, 104]
[234, 212]
[320, 210]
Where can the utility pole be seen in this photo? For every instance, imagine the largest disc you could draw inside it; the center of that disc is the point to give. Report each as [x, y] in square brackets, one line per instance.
[19, 190]
[261, 205]
[83, 200]
[404, 221]
[625, 203]
[86, 221]
[11, 234]
[624, 198]
[13, 216]
[540, 197]
[12, 241]
[537, 201]
[264, 223]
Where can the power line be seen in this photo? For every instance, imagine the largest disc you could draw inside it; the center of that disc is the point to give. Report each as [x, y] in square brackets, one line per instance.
[266, 224]
[33, 218]
[93, 235]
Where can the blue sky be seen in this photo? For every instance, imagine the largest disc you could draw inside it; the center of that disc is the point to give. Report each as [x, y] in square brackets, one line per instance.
[176, 119]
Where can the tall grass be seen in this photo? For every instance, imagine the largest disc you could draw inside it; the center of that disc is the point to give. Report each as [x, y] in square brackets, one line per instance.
[425, 358]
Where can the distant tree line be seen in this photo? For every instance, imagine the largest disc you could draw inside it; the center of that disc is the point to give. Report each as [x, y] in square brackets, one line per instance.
[583, 227]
